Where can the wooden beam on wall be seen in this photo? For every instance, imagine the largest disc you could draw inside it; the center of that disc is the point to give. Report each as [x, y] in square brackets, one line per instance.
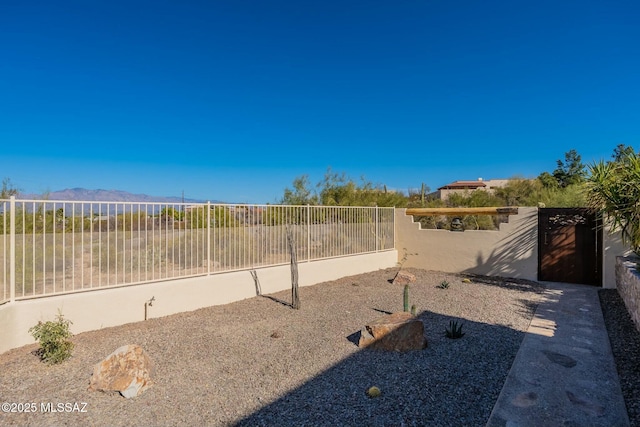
[463, 211]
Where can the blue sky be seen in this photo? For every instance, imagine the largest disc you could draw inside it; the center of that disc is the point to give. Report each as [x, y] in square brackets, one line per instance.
[232, 100]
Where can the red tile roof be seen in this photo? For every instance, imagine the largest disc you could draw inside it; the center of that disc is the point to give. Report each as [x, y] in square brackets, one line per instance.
[461, 185]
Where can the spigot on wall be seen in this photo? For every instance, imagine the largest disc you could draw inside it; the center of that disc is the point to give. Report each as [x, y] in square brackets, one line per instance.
[148, 304]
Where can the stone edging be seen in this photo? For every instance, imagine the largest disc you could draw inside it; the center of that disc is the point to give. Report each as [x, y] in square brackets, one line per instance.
[628, 284]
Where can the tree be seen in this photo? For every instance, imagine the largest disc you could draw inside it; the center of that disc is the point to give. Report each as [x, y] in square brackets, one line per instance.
[340, 190]
[571, 171]
[568, 197]
[520, 192]
[621, 152]
[301, 194]
[8, 189]
[547, 180]
[172, 213]
[472, 199]
[613, 190]
[337, 189]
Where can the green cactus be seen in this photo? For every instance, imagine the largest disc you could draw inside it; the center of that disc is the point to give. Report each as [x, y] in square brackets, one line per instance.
[406, 298]
[413, 310]
[373, 392]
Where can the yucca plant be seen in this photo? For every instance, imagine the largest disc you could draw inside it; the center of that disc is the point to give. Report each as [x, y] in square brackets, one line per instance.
[613, 190]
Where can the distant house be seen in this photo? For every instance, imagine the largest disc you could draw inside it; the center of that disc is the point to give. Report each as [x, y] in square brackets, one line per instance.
[461, 187]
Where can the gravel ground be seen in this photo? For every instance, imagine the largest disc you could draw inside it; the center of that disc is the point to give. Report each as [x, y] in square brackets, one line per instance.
[625, 344]
[224, 365]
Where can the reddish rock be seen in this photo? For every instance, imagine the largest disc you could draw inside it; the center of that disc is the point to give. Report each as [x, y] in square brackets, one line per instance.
[394, 332]
[127, 370]
[403, 278]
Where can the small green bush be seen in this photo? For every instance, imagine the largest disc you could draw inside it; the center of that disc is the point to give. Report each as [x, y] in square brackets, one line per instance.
[53, 336]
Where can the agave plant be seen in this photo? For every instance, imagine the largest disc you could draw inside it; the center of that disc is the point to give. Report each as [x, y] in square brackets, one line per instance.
[613, 190]
[443, 285]
[454, 331]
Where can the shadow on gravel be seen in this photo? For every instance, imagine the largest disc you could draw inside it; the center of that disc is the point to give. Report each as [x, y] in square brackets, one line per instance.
[514, 284]
[451, 382]
[279, 301]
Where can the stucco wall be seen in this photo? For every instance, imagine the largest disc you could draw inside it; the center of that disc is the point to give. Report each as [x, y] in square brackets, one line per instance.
[117, 306]
[511, 251]
[613, 248]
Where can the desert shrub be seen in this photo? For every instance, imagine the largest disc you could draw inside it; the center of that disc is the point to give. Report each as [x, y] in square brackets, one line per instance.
[53, 337]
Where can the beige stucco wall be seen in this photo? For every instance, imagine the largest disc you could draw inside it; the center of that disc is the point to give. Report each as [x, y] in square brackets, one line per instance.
[117, 306]
[613, 248]
[510, 252]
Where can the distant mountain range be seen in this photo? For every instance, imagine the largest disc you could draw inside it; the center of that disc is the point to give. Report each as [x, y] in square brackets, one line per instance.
[82, 194]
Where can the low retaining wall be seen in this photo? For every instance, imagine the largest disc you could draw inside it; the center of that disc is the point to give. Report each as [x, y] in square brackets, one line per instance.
[628, 284]
[98, 309]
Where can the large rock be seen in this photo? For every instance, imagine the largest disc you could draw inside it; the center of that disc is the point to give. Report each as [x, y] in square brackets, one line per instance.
[403, 278]
[394, 332]
[127, 370]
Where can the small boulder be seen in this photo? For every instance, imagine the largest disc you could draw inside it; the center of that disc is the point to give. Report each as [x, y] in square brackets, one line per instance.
[394, 332]
[403, 278]
[127, 370]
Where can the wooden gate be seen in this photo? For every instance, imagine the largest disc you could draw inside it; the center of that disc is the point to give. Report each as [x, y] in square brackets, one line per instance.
[569, 246]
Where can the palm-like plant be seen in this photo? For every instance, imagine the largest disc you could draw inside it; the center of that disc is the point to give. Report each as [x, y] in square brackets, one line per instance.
[613, 190]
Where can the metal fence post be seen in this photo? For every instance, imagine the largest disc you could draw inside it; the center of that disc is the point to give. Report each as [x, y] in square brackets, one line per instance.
[308, 233]
[208, 237]
[12, 250]
[394, 227]
[377, 229]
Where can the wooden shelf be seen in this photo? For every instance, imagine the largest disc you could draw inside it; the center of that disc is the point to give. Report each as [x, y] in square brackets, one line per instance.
[462, 211]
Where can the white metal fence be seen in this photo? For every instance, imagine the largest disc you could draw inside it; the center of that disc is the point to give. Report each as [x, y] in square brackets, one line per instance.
[50, 247]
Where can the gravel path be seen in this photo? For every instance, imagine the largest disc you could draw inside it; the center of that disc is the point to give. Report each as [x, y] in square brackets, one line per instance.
[221, 366]
[625, 345]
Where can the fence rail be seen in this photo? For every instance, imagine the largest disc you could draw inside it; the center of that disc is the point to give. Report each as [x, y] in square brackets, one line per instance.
[51, 247]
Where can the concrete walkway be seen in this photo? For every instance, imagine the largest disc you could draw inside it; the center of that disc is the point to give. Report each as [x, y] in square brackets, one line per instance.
[564, 373]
